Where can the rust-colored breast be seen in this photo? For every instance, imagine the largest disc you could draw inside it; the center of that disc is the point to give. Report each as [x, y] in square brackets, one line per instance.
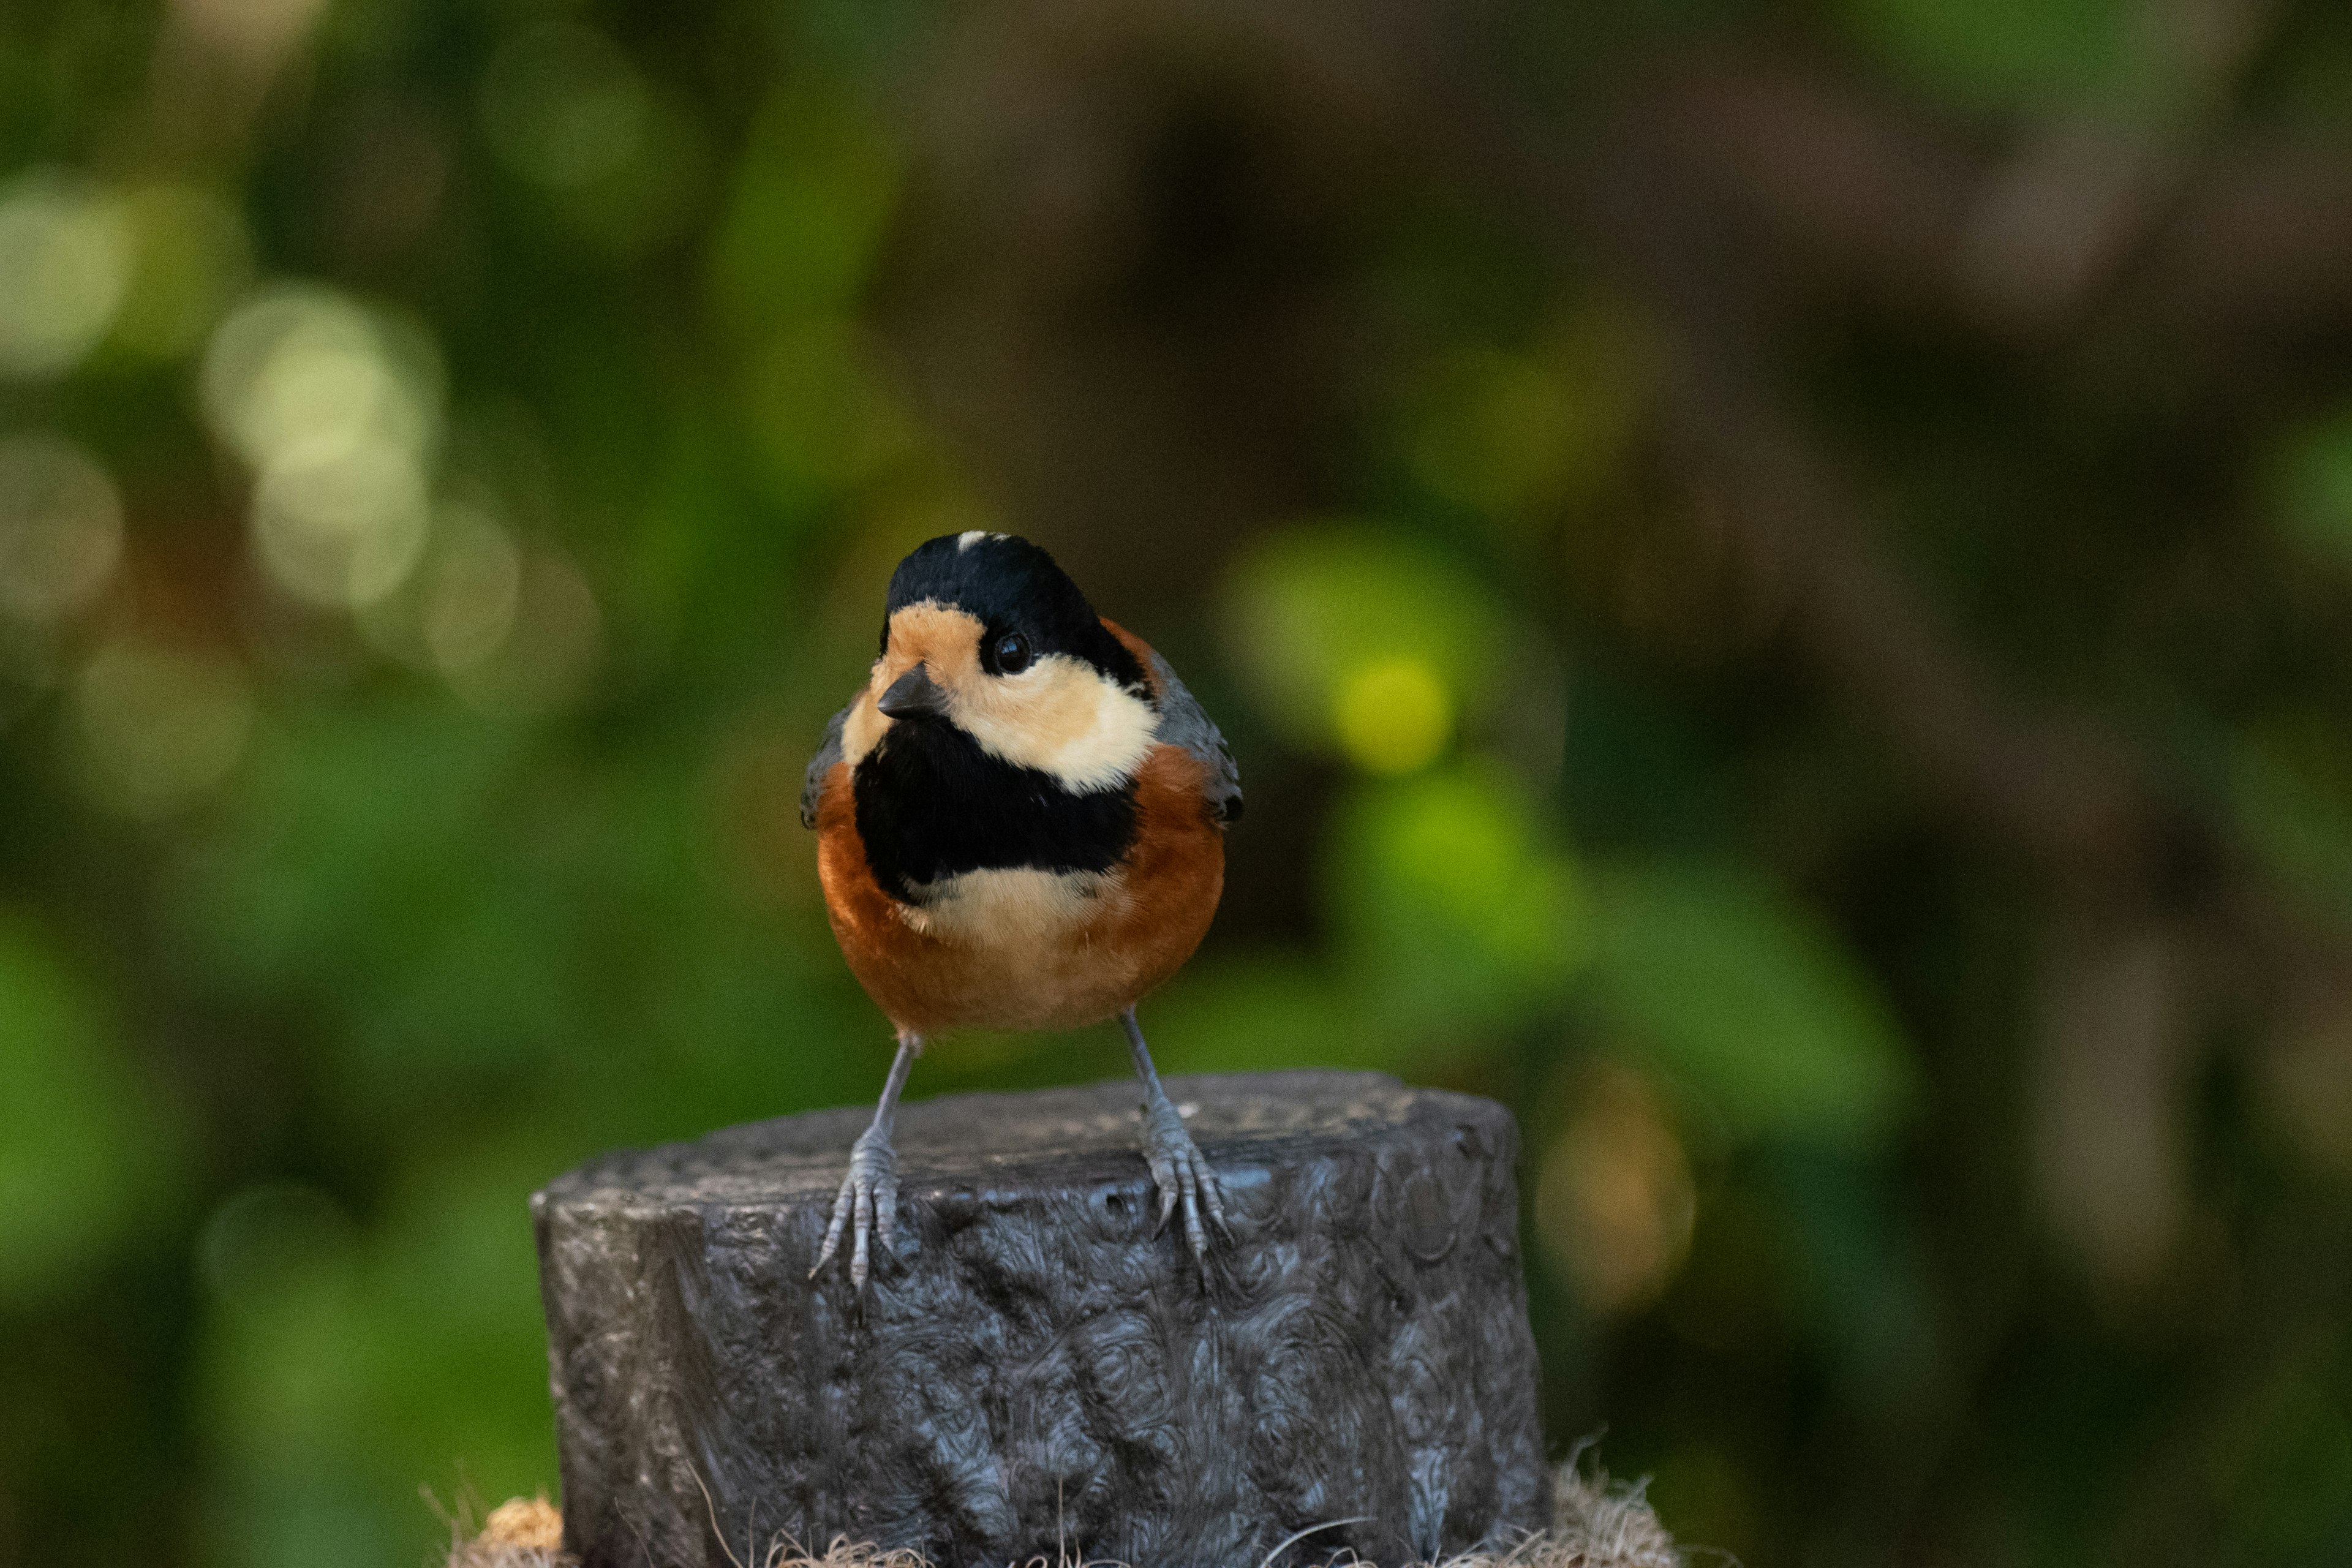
[1131, 931]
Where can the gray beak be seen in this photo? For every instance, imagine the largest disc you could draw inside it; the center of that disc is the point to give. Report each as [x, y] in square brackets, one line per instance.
[912, 694]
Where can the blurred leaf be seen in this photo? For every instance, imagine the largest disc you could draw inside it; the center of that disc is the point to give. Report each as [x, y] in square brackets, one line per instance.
[788, 263]
[2281, 1463]
[1326, 622]
[2313, 484]
[623, 161]
[2004, 54]
[2291, 787]
[1517, 434]
[1497, 433]
[817, 414]
[192, 258]
[84, 1140]
[804, 214]
[1639, 769]
[350, 1373]
[1258, 1014]
[1455, 914]
[1748, 1002]
[355, 833]
[1393, 716]
[1857, 1276]
[459, 907]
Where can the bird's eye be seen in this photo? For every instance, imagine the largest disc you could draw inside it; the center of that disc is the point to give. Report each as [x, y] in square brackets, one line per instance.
[1011, 651]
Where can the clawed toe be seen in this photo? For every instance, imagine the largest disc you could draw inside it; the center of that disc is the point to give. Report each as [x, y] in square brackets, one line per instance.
[1183, 1177]
[868, 1206]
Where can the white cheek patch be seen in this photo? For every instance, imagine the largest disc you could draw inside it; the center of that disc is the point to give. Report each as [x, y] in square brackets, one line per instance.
[1063, 717]
[862, 730]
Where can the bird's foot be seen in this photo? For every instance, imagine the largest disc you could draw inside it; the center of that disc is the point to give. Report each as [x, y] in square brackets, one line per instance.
[867, 1206]
[1182, 1173]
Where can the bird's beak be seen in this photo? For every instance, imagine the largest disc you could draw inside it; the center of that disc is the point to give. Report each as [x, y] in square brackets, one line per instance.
[914, 693]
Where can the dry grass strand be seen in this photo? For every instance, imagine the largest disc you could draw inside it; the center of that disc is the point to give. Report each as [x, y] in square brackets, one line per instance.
[521, 1533]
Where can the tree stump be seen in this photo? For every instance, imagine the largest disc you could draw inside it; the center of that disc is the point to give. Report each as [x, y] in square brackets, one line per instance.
[1038, 1370]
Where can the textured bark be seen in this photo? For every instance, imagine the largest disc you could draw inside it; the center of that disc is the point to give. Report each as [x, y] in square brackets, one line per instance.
[1038, 1370]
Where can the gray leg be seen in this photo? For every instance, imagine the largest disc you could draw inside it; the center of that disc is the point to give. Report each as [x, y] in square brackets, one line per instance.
[869, 1194]
[1175, 1159]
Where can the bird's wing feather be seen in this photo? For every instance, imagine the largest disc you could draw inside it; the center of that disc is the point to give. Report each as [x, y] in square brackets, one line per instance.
[1184, 723]
[812, 787]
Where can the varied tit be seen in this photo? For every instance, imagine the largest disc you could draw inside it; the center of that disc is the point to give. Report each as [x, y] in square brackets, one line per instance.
[1020, 826]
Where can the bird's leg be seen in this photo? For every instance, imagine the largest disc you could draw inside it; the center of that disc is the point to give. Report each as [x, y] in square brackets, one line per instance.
[869, 1194]
[1175, 1159]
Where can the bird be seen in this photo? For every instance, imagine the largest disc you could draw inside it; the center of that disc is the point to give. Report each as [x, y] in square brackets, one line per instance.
[1020, 822]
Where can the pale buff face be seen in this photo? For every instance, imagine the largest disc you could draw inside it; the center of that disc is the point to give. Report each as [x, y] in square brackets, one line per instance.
[1060, 716]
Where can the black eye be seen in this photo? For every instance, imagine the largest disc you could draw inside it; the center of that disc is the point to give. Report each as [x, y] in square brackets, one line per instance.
[1011, 654]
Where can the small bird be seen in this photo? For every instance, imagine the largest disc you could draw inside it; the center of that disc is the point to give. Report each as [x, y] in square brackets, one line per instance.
[1020, 825]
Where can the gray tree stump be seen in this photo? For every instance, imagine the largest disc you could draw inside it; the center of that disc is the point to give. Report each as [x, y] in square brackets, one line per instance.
[1039, 1370]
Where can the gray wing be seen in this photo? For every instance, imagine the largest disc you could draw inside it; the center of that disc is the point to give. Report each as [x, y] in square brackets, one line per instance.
[1183, 723]
[820, 764]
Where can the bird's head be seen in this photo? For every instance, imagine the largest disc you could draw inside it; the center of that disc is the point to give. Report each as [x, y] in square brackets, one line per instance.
[987, 634]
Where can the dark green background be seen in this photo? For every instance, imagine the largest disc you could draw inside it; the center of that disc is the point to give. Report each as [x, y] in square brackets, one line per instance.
[1780, 577]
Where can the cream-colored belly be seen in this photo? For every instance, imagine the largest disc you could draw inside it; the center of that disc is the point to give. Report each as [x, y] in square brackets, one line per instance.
[1027, 944]
[1013, 910]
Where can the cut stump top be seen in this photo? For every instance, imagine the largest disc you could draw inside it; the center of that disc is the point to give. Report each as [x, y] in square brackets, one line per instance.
[1079, 1136]
[1041, 1365]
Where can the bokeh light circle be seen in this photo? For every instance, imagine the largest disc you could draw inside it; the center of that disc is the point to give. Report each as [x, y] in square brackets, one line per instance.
[340, 529]
[299, 372]
[1392, 715]
[60, 529]
[65, 263]
[339, 411]
[471, 589]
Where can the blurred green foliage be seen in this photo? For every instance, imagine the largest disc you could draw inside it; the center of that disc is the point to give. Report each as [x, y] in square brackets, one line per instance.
[1744, 995]
[2006, 54]
[450, 460]
[86, 1147]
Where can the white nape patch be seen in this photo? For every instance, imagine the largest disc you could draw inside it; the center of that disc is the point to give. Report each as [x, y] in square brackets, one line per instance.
[971, 536]
[1063, 717]
[1019, 908]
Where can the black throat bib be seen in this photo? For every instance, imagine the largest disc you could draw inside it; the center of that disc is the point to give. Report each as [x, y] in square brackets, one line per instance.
[933, 805]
